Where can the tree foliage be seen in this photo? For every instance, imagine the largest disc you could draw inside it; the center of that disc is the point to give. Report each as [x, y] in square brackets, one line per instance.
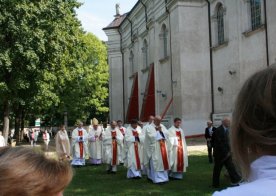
[47, 62]
[85, 88]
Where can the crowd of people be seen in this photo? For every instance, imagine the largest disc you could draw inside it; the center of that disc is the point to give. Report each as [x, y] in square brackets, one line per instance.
[158, 152]
[150, 150]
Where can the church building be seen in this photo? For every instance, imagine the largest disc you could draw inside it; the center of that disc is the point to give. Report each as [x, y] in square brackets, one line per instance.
[186, 58]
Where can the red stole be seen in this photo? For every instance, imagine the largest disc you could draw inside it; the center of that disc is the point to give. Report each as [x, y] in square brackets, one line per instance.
[114, 149]
[137, 158]
[122, 131]
[180, 153]
[80, 134]
[164, 154]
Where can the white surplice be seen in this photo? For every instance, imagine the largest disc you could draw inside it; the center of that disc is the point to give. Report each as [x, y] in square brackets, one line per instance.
[95, 144]
[62, 144]
[131, 161]
[152, 154]
[108, 147]
[79, 139]
[174, 145]
[261, 182]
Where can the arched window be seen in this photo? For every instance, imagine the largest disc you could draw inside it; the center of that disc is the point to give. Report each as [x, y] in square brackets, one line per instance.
[131, 63]
[145, 53]
[255, 8]
[220, 23]
[164, 40]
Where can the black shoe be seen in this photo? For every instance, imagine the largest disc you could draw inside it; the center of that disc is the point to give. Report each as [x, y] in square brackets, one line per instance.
[113, 172]
[172, 178]
[108, 171]
[161, 183]
[137, 177]
[237, 183]
[214, 186]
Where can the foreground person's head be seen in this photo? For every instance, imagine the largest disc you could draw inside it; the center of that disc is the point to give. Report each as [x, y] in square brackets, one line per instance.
[28, 173]
[254, 119]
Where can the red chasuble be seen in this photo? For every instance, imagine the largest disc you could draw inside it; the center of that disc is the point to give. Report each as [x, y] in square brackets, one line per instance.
[164, 153]
[137, 158]
[80, 134]
[180, 161]
[114, 148]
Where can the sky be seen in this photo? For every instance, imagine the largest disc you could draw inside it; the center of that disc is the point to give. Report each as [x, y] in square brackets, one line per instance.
[97, 14]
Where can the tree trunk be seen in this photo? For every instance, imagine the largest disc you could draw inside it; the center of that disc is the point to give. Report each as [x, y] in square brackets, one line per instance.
[6, 124]
[17, 122]
[22, 125]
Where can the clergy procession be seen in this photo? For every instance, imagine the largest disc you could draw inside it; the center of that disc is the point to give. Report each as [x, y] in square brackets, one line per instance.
[152, 150]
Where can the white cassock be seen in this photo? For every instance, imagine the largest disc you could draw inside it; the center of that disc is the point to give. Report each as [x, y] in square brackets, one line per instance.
[112, 140]
[95, 145]
[178, 153]
[62, 144]
[134, 139]
[2, 141]
[79, 146]
[156, 154]
[122, 149]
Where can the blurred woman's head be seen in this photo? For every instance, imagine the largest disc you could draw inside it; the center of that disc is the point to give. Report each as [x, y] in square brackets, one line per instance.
[28, 173]
[254, 119]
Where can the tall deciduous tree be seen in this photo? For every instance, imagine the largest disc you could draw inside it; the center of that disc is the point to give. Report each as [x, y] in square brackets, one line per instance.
[35, 35]
[86, 86]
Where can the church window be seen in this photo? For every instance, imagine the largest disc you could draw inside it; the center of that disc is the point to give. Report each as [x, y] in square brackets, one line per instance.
[164, 41]
[255, 8]
[220, 24]
[145, 53]
[131, 63]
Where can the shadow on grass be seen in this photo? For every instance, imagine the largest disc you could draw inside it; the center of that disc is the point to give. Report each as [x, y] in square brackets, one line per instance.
[93, 180]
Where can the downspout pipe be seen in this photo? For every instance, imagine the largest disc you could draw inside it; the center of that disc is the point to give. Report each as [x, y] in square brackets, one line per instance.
[131, 30]
[123, 72]
[146, 14]
[211, 59]
[171, 64]
[266, 36]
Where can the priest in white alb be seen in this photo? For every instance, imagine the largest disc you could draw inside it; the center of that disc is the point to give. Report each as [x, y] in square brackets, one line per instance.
[79, 145]
[62, 144]
[112, 139]
[177, 150]
[122, 149]
[134, 139]
[156, 153]
[95, 142]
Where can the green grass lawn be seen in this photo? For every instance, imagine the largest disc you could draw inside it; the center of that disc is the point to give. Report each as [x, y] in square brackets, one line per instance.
[93, 180]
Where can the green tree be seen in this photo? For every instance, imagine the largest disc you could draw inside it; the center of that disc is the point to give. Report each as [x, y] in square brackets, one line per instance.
[85, 88]
[35, 36]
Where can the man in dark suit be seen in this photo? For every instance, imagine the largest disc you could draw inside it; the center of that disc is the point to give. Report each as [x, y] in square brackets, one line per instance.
[222, 154]
[209, 131]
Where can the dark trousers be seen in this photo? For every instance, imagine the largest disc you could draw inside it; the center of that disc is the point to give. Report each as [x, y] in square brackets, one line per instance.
[210, 151]
[234, 176]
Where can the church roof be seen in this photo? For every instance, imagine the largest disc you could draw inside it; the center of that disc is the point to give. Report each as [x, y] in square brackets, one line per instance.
[116, 22]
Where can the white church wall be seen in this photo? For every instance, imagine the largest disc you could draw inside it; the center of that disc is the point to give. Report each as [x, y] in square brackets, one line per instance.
[243, 53]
